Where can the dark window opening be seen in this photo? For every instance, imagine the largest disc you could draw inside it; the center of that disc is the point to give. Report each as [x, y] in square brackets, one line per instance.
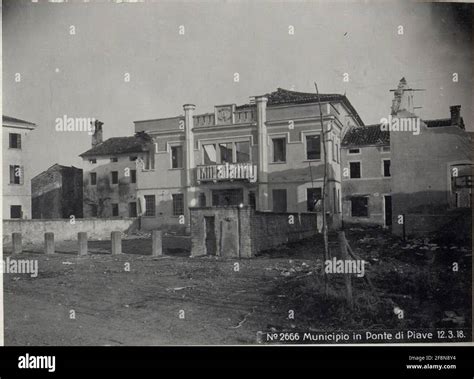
[354, 151]
[178, 204]
[93, 176]
[176, 157]
[16, 174]
[226, 150]
[132, 209]
[15, 211]
[15, 141]
[360, 206]
[354, 170]
[133, 176]
[386, 167]
[314, 197]
[252, 200]
[242, 151]
[114, 177]
[114, 159]
[115, 210]
[279, 150]
[150, 205]
[229, 197]
[313, 147]
[202, 199]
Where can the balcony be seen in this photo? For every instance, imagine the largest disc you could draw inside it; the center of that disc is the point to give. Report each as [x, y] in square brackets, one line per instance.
[227, 172]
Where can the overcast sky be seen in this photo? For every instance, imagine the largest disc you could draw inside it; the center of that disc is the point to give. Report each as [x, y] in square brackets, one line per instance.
[82, 75]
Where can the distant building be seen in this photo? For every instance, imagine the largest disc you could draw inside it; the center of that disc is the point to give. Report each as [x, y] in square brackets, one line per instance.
[366, 176]
[110, 174]
[57, 193]
[16, 173]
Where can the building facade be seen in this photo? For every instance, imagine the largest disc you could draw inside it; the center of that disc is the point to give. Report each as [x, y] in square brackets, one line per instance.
[366, 176]
[57, 193]
[267, 155]
[110, 174]
[16, 174]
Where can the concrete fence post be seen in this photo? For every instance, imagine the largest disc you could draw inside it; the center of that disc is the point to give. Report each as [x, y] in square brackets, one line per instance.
[16, 242]
[116, 238]
[156, 243]
[82, 243]
[49, 243]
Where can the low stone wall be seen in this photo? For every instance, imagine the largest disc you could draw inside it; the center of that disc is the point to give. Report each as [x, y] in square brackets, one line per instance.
[33, 230]
[243, 232]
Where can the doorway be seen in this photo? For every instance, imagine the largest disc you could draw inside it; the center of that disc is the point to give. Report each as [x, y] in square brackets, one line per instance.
[387, 210]
[209, 222]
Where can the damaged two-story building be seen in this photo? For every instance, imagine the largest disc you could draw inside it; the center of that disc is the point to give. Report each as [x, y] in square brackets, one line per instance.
[267, 154]
[407, 173]
[110, 173]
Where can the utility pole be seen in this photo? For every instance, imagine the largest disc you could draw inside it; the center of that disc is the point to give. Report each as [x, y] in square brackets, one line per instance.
[323, 202]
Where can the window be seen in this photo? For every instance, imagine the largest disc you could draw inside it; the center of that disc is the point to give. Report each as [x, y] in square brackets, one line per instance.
[279, 150]
[92, 161]
[354, 151]
[15, 141]
[252, 201]
[337, 153]
[133, 158]
[202, 199]
[334, 199]
[210, 154]
[176, 157]
[279, 200]
[150, 205]
[386, 167]
[334, 157]
[15, 211]
[133, 176]
[132, 209]
[16, 174]
[313, 147]
[178, 204]
[226, 152]
[359, 206]
[229, 197]
[242, 151]
[114, 177]
[114, 159]
[313, 198]
[93, 177]
[338, 199]
[354, 168]
[115, 210]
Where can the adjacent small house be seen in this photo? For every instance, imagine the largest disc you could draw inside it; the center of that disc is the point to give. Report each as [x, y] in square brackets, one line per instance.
[57, 193]
[110, 174]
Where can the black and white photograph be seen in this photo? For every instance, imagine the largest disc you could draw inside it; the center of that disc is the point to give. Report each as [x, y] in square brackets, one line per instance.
[222, 173]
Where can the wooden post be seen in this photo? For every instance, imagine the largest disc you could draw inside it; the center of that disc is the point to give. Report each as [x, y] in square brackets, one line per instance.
[16, 242]
[347, 276]
[49, 243]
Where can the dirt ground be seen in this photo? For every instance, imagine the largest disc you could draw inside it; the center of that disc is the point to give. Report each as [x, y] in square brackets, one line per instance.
[135, 299]
[141, 306]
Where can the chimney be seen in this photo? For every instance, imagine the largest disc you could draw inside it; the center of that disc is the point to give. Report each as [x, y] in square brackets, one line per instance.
[97, 136]
[455, 114]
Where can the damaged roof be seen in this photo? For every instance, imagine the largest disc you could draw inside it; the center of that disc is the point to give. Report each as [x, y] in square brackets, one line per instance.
[283, 96]
[366, 135]
[138, 143]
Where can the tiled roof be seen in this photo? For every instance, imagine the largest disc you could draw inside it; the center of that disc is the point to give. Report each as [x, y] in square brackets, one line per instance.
[284, 96]
[366, 135]
[138, 143]
[16, 120]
